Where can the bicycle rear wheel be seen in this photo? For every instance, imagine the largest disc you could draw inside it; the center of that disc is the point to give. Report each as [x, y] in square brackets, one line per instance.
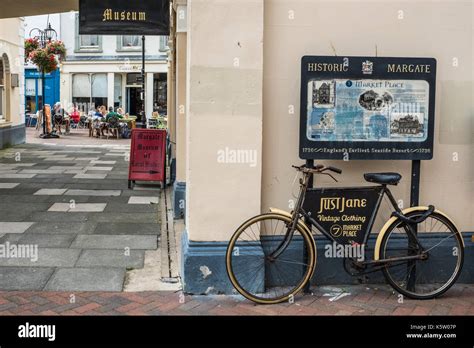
[423, 278]
[253, 271]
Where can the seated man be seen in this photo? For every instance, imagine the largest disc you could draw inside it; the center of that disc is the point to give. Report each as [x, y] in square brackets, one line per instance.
[113, 125]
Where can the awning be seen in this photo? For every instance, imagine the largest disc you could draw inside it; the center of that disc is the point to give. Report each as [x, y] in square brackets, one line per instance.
[23, 8]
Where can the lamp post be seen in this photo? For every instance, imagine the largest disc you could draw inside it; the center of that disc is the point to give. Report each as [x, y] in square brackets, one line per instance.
[44, 37]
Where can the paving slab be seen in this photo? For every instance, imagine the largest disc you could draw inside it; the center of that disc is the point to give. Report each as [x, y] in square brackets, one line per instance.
[78, 208]
[86, 158]
[103, 162]
[47, 240]
[41, 171]
[53, 227]
[112, 193]
[17, 176]
[50, 192]
[96, 241]
[47, 257]
[143, 200]
[105, 169]
[8, 185]
[24, 279]
[111, 258]
[14, 227]
[107, 217]
[88, 176]
[59, 216]
[11, 238]
[124, 228]
[87, 279]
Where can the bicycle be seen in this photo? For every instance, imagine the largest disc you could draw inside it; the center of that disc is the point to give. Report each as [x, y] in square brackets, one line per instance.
[271, 257]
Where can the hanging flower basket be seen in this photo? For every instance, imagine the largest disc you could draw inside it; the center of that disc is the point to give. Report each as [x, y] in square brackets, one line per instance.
[46, 59]
[43, 60]
[57, 48]
[30, 46]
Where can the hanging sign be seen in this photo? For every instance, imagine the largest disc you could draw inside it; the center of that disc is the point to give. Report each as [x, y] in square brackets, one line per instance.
[367, 108]
[124, 17]
[147, 155]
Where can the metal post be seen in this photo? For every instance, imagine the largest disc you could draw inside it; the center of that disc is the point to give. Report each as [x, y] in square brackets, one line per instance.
[307, 287]
[43, 102]
[415, 183]
[414, 201]
[143, 118]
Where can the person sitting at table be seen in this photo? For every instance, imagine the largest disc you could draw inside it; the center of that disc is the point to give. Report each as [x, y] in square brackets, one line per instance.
[113, 122]
[61, 117]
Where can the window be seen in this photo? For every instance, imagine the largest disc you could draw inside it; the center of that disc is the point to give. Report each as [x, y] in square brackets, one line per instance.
[87, 43]
[99, 90]
[160, 93]
[129, 43]
[164, 43]
[89, 91]
[118, 91]
[30, 96]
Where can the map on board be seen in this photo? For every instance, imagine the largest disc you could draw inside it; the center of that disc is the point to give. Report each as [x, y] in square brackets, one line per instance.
[367, 110]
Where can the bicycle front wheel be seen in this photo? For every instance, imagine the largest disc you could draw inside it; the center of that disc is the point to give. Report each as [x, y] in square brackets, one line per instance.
[259, 275]
[443, 255]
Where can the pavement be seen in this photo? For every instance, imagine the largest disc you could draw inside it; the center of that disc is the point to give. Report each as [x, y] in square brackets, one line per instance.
[348, 300]
[67, 219]
[90, 246]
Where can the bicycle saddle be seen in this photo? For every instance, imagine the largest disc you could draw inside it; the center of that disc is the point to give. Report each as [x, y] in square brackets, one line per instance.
[383, 178]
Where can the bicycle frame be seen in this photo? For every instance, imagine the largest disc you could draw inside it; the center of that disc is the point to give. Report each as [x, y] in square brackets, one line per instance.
[299, 213]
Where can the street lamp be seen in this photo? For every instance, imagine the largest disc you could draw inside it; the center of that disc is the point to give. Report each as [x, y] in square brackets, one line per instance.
[44, 37]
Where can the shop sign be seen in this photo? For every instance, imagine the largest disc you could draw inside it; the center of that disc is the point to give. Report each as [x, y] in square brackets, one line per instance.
[124, 17]
[346, 213]
[148, 155]
[367, 108]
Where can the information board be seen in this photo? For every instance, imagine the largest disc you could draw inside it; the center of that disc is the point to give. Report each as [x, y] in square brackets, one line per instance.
[147, 156]
[367, 108]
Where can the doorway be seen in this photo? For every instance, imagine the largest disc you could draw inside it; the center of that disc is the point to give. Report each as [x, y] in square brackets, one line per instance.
[134, 102]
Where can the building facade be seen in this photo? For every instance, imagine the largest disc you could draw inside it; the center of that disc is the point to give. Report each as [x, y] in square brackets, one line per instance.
[106, 70]
[101, 70]
[12, 107]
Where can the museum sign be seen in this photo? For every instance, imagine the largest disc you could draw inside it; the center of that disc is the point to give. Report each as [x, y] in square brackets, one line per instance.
[124, 17]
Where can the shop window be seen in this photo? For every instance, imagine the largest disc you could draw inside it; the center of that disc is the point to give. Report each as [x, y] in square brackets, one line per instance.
[30, 96]
[160, 93]
[89, 91]
[81, 91]
[99, 90]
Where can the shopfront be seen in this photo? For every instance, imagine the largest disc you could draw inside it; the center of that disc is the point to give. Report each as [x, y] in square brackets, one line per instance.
[34, 91]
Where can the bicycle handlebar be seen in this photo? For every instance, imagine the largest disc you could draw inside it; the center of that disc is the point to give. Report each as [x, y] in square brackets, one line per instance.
[319, 168]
